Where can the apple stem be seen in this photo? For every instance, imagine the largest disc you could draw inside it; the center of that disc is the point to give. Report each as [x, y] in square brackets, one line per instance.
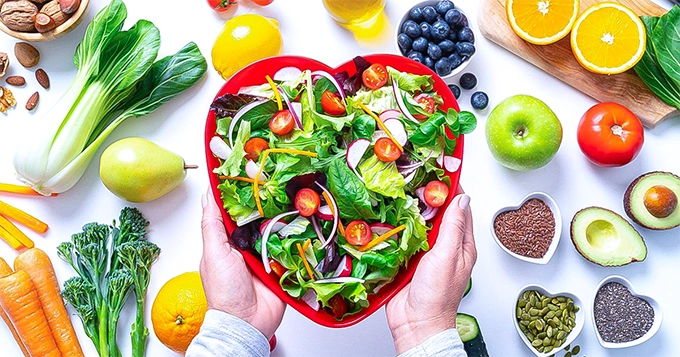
[187, 167]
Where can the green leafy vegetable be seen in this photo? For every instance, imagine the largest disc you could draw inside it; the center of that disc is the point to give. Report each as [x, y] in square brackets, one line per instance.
[666, 37]
[411, 82]
[363, 127]
[232, 165]
[350, 194]
[382, 177]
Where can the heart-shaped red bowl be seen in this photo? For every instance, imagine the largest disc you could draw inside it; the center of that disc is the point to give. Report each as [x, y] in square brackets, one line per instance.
[254, 74]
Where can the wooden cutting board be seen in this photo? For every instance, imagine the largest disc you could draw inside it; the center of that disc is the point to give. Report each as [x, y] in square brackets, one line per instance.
[558, 60]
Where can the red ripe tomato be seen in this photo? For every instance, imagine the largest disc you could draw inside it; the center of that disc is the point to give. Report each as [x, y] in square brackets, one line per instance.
[278, 269]
[610, 135]
[338, 306]
[220, 5]
[254, 147]
[332, 103]
[427, 102]
[358, 233]
[374, 76]
[386, 150]
[307, 201]
[262, 2]
[282, 122]
[436, 193]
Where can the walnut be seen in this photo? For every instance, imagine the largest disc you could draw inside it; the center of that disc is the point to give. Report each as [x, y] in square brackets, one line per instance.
[6, 99]
[4, 63]
[18, 15]
[52, 10]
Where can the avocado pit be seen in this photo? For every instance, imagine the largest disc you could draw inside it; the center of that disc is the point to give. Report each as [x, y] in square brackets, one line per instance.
[651, 200]
[660, 201]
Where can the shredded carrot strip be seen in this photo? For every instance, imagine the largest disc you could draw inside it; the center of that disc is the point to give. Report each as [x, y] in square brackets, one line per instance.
[238, 178]
[304, 261]
[382, 238]
[9, 238]
[15, 232]
[20, 189]
[381, 125]
[341, 229]
[23, 218]
[277, 95]
[308, 242]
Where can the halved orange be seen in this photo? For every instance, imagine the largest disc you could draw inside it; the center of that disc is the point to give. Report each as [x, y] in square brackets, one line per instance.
[608, 38]
[542, 22]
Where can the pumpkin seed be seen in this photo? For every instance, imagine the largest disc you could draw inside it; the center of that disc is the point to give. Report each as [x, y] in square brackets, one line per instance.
[576, 350]
[537, 342]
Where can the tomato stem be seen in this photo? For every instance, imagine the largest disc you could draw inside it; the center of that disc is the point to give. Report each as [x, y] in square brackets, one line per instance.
[617, 130]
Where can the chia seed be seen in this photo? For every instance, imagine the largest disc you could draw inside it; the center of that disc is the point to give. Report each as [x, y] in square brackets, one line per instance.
[620, 316]
[527, 231]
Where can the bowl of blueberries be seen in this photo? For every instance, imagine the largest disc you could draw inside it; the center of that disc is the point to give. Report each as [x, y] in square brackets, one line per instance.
[437, 34]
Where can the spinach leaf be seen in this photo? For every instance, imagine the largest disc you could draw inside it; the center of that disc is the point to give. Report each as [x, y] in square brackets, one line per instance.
[321, 86]
[350, 194]
[427, 132]
[363, 127]
[666, 37]
[467, 120]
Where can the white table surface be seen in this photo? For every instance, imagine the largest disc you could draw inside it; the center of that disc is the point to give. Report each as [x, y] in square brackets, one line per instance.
[308, 31]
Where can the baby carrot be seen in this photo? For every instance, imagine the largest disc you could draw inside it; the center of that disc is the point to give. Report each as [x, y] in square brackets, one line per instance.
[4, 271]
[41, 272]
[19, 299]
[7, 237]
[23, 190]
[22, 217]
[15, 232]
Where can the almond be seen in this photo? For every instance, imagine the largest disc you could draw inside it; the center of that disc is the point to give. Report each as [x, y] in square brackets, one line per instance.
[16, 80]
[26, 54]
[32, 101]
[42, 78]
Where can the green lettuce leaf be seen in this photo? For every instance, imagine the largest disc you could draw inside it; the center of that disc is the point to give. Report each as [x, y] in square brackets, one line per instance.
[377, 100]
[232, 165]
[411, 82]
[382, 177]
[239, 202]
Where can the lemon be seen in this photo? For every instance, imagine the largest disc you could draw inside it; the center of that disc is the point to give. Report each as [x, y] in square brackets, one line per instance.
[244, 40]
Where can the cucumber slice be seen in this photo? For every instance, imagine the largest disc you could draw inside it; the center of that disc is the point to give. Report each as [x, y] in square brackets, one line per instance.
[471, 335]
[469, 287]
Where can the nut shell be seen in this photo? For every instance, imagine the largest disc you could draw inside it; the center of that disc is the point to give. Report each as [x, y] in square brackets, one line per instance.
[4, 63]
[26, 54]
[18, 15]
[53, 10]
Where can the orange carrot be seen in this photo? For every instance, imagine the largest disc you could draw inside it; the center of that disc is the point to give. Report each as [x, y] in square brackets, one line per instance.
[15, 232]
[20, 189]
[9, 238]
[23, 218]
[39, 268]
[4, 271]
[19, 299]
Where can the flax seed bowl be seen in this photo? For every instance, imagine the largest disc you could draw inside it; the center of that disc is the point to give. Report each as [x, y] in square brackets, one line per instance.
[529, 231]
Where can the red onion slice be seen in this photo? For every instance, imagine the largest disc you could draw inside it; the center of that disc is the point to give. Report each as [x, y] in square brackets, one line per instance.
[429, 213]
[298, 122]
[317, 229]
[400, 102]
[340, 280]
[265, 238]
[344, 269]
[336, 216]
[420, 192]
[310, 298]
[335, 83]
[238, 116]
[389, 114]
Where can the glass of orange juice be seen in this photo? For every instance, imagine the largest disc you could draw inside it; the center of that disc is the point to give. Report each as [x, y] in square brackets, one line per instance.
[354, 12]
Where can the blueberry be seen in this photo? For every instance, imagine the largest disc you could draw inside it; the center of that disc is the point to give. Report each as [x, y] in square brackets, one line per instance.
[453, 36]
[434, 51]
[411, 29]
[455, 60]
[416, 56]
[468, 81]
[426, 30]
[443, 6]
[465, 49]
[430, 14]
[443, 66]
[455, 90]
[404, 42]
[447, 47]
[463, 21]
[429, 62]
[479, 100]
[420, 44]
[416, 14]
[440, 30]
[466, 35]
[453, 17]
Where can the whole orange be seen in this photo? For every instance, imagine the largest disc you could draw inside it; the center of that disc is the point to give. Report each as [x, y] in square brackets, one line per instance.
[178, 311]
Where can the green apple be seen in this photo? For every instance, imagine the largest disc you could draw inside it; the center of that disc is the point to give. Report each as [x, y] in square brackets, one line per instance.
[523, 133]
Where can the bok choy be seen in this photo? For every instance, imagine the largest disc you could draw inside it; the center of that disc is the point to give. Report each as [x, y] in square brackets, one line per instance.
[118, 78]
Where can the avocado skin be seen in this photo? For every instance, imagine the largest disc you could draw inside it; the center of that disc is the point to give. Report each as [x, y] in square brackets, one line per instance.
[578, 248]
[627, 201]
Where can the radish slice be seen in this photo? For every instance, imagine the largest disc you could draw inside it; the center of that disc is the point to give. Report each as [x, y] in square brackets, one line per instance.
[265, 238]
[429, 213]
[276, 228]
[287, 74]
[251, 170]
[219, 148]
[310, 298]
[377, 135]
[440, 159]
[452, 164]
[397, 130]
[336, 217]
[344, 269]
[389, 114]
[317, 229]
[400, 102]
[298, 123]
[325, 213]
[420, 192]
[410, 177]
[238, 116]
[382, 228]
[251, 218]
[355, 152]
[335, 83]
[296, 107]
[340, 280]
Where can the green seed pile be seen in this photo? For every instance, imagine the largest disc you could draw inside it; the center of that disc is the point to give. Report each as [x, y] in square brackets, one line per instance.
[545, 321]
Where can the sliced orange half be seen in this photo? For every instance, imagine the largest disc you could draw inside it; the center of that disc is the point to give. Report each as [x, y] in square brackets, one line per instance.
[608, 38]
[542, 22]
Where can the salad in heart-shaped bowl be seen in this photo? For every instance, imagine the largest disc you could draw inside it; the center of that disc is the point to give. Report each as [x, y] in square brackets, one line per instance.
[334, 181]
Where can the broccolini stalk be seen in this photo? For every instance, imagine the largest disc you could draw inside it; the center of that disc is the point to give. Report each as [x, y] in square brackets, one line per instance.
[120, 285]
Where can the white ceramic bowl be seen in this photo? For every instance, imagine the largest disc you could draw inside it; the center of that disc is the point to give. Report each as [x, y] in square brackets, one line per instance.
[580, 318]
[657, 313]
[406, 16]
[558, 227]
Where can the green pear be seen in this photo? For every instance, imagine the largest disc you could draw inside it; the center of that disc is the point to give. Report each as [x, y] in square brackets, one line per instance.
[138, 170]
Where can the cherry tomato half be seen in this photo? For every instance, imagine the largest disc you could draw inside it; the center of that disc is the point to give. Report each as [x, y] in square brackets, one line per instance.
[254, 147]
[220, 5]
[338, 306]
[358, 233]
[332, 103]
[262, 2]
[386, 150]
[282, 122]
[307, 201]
[374, 76]
[426, 102]
[610, 135]
[278, 269]
[436, 193]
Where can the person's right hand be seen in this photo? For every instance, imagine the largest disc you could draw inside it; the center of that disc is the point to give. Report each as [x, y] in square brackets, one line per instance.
[429, 303]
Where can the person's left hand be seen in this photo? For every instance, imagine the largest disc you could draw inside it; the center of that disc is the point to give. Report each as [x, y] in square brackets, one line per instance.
[229, 285]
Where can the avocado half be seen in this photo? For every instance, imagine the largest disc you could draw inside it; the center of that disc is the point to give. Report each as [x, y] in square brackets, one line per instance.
[651, 200]
[605, 238]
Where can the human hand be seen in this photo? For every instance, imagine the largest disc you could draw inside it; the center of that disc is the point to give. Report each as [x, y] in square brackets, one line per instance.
[429, 303]
[229, 285]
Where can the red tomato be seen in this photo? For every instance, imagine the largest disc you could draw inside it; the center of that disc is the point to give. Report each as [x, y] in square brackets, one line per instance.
[307, 201]
[220, 5]
[375, 76]
[358, 233]
[386, 150]
[254, 147]
[282, 122]
[427, 102]
[332, 103]
[338, 306]
[436, 193]
[277, 267]
[610, 135]
[262, 2]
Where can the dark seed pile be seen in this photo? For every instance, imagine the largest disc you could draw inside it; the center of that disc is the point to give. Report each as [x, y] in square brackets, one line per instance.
[527, 231]
[620, 316]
